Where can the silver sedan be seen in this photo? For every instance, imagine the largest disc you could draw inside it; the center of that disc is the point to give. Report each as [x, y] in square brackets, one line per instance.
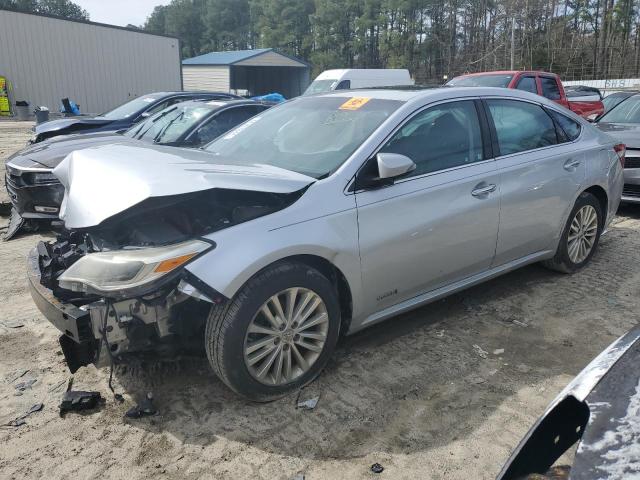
[317, 218]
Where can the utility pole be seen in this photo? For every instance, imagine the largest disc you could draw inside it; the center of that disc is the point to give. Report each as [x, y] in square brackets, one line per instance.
[513, 41]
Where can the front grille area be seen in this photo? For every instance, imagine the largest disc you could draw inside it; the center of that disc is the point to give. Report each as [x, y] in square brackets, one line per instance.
[632, 162]
[631, 190]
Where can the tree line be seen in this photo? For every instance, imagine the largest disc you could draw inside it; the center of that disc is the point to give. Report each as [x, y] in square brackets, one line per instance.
[434, 39]
[578, 39]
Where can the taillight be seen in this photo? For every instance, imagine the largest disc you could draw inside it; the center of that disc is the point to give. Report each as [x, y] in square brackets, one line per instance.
[620, 150]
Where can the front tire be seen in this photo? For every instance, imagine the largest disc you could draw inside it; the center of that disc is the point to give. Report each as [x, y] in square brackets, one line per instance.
[580, 236]
[277, 334]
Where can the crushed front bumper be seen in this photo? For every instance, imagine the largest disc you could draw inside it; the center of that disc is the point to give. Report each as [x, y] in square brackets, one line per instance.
[78, 343]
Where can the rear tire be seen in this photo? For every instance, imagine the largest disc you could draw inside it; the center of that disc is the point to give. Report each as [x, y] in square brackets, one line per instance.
[580, 236]
[269, 321]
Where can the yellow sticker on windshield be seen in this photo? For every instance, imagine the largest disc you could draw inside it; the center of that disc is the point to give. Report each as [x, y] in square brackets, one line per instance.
[354, 103]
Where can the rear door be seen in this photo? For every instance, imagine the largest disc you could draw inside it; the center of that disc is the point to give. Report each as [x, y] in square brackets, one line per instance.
[541, 170]
[438, 223]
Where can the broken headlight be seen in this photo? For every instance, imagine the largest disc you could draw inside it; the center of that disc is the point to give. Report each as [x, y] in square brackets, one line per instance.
[118, 270]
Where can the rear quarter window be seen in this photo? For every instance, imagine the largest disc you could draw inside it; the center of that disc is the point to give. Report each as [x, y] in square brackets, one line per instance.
[571, 128]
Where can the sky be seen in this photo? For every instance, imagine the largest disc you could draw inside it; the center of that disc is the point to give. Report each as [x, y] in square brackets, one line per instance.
[119, 12]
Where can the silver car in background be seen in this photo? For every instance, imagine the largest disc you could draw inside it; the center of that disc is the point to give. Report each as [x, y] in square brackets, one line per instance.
[316, 218]
[623, 123]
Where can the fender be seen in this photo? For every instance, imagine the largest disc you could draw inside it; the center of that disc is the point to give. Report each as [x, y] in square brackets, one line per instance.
[243, 250]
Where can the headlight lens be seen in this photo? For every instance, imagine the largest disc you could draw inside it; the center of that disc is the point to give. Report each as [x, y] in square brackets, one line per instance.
[126, 269]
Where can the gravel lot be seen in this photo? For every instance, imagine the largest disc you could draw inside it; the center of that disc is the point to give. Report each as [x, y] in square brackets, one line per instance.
[415, 394]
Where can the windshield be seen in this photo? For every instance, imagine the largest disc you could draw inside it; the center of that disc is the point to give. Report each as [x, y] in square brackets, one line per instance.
[170, 124]
[129, 108]
[492, 80]
[611, 101]
[627, 112]
[320, 86]
[312, 135]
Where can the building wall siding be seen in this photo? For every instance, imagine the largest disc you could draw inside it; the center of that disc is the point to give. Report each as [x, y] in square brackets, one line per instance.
[98, 67]
[206, 77]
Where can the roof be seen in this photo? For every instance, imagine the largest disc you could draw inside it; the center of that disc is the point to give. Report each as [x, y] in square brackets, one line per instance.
[505, 72]
[234, 56]
[88, 22]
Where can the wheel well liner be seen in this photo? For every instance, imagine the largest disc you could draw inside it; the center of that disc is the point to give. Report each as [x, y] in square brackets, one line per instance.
[599, 192]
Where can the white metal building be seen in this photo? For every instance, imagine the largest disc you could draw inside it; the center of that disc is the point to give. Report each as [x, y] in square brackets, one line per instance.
[97, 66]
[258, 72]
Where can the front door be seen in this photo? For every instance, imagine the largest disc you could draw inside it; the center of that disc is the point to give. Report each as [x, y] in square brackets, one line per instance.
[438, 223]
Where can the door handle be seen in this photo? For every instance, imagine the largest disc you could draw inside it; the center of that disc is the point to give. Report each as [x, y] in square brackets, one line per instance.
[571, 164]
[480, 191]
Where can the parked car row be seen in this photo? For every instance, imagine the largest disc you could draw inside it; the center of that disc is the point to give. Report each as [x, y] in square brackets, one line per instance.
[37, 193]
[312, 219]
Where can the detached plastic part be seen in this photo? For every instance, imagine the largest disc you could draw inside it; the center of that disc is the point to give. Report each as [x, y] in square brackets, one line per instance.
[77, 400]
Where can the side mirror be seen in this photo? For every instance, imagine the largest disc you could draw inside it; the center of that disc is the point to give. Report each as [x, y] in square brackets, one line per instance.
[392, 165]
[592, 118]
[380, 171]
[142, 116]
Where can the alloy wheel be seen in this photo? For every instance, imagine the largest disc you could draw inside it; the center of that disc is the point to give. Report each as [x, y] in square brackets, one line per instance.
[582, 234]
[286, 336]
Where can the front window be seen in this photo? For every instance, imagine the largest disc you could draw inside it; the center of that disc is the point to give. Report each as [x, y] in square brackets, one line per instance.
[130, 108]
[627, 112]
[441, 137]
[489, 80]
[312, 136]
[320, 86]
[169, 125]
[613, 100]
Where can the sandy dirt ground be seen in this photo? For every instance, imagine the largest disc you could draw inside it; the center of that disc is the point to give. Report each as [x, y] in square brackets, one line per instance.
[414, 394]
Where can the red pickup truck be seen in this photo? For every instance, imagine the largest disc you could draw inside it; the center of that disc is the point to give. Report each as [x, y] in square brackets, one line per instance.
[543, 83]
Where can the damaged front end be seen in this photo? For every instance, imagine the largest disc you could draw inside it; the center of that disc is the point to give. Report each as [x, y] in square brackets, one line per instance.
[121, 287]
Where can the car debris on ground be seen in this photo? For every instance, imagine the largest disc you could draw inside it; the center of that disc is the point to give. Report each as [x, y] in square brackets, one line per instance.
[78, 400]
[143, 409]
[21, 420]
[308, 404]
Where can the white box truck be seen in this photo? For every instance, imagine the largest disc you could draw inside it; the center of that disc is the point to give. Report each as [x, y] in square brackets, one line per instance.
[345, 79]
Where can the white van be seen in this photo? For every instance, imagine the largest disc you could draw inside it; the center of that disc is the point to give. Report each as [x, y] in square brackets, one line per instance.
[345, 79]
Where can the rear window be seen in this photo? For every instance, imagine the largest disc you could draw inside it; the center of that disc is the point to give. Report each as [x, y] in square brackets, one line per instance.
[627, 112]
[491, 80]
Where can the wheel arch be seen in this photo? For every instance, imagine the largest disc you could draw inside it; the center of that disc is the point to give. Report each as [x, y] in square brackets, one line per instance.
[329, 270]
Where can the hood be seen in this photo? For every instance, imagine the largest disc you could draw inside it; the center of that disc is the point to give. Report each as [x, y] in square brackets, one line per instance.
[103, 181]
[49, 153]
[70, 124]
[627, 133]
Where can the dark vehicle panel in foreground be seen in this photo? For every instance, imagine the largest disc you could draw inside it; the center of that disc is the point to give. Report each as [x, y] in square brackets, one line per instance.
[599, 409]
